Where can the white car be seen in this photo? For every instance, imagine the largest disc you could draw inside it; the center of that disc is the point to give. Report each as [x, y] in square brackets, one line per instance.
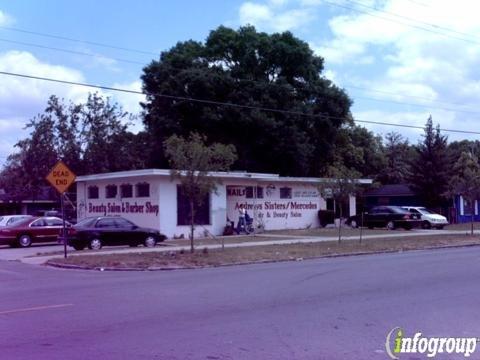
[429, 218]
[6, 220]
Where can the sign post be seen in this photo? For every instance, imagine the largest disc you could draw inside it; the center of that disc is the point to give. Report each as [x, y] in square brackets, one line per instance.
[61, 177]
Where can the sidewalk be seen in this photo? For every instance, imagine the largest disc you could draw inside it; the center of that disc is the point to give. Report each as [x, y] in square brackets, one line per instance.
[38, 260]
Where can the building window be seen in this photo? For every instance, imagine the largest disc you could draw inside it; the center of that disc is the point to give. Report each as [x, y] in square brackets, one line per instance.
[467, 207]
[93, 192]
[126, 190]
[285, 193]
[111, 191]
[251, 194]
[202, 212]
[143, 189]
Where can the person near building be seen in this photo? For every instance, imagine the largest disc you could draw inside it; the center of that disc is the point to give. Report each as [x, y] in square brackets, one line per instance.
[241, 218]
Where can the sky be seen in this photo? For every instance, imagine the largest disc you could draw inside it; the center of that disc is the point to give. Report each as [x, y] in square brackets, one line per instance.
[399, 60]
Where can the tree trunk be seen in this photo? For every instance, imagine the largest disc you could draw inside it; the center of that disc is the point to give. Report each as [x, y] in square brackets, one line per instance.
[340, 224]
[472, 220]
[361, 228]
[192, 225]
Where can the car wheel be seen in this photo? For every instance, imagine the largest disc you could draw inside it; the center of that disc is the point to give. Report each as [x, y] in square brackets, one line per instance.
[24, 240]
[440, 227]
[353, 224]
[79, 247]
[390, 225]
[150, 241]
[95, 244]
[426, 225]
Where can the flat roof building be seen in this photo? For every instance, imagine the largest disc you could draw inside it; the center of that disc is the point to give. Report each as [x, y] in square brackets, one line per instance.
[151, 198]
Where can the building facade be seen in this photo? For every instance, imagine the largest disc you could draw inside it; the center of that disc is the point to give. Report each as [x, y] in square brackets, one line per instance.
[151, 198]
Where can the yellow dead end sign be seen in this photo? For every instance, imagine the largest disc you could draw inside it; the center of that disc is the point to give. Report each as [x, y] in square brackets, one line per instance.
[61, 177]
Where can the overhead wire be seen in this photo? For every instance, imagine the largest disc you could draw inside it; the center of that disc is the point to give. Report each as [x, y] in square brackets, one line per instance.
[71, 51]
[219, 103]
[78, 40]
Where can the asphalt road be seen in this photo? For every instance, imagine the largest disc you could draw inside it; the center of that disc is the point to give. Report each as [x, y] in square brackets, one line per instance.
[339, 308]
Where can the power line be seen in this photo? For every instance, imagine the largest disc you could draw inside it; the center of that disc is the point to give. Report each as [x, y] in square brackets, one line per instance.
[70, 51]
[146, 52]
[413, 20]
[398, 22]
[212, 102]
[79, 41]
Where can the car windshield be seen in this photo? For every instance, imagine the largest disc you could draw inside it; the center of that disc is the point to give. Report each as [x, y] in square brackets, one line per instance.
[426, 211]
[86, 222]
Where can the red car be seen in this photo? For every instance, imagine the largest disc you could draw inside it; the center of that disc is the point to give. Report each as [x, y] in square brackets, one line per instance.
[35, 229]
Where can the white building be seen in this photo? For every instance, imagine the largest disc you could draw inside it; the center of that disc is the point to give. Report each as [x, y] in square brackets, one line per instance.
[150, 198]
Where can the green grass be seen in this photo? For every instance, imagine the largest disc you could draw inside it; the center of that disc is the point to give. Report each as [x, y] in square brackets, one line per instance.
[285, 252]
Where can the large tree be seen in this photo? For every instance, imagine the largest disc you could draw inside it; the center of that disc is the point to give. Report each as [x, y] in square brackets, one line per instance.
[256, 70]
[430, 169]
[91, 137]
[398, 154]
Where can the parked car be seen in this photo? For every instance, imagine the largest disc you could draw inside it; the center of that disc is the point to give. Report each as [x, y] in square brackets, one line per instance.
[95, 232]
[390, 217]
[429, 218]
[7, 220]
[31, 230]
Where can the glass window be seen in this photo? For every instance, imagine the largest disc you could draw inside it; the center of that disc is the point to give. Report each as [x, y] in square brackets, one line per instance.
[106, 223]
[251, 194]
[467, 207]
[111, 191]
[38, 223]
[126, 190]
[86, 222]
[54, 222]
[93, 192]
[123, 223]
[143, 189]
[202, 212]
[285, 193]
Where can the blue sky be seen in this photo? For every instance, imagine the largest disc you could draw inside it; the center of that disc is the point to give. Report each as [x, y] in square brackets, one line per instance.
[400, 60]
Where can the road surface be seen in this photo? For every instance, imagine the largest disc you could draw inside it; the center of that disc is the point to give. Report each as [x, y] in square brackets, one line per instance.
[337, 308]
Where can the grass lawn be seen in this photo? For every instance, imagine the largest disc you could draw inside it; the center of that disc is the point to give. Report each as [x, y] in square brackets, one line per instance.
[231, 256]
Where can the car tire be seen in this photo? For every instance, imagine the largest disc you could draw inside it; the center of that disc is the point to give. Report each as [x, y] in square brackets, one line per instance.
[24, 240]
[150, 241]
[95, 244]
[79, 247]
[440, 227]
[426, 225]
[390, 225]
[353, 224]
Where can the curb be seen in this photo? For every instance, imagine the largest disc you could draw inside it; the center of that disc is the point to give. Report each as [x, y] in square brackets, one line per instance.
[264, 261]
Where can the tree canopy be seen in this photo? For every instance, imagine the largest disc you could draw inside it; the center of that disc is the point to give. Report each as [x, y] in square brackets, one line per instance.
[430, 169]
[191, 160]
[90, 138]
[278, 72]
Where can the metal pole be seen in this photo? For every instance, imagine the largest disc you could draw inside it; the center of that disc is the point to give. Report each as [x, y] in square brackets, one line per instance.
[64, 233]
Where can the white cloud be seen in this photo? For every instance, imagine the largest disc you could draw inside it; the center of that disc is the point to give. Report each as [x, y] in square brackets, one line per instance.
[274, 15]
[5, 19]
[21, 99]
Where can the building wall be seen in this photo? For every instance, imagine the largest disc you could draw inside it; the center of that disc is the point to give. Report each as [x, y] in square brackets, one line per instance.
[159, 209]
[464, 210]
[272, 211]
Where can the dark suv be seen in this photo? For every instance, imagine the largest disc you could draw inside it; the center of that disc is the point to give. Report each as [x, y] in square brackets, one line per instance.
[390, 217]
